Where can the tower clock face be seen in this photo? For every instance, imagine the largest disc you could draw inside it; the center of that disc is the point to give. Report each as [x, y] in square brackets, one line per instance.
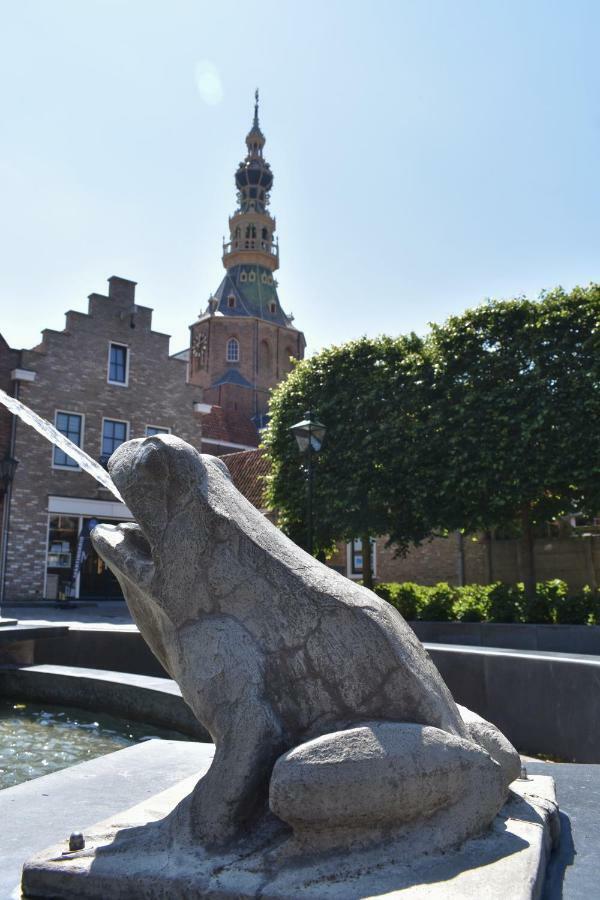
[200, 349]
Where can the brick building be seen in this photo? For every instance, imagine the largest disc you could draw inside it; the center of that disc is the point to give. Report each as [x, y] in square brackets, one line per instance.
[108, 377]
[105, 378]
[242, 344]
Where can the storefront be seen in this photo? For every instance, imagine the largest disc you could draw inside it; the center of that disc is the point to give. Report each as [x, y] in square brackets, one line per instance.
[73, 568]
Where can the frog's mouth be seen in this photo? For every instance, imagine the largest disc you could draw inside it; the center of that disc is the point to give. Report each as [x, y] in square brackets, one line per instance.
[125, 550]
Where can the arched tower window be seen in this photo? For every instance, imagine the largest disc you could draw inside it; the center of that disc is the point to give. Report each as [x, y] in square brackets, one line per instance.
[265, 234]
[233, 350]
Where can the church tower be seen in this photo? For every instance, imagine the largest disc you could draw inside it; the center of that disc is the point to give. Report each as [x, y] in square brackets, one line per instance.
[242, 344]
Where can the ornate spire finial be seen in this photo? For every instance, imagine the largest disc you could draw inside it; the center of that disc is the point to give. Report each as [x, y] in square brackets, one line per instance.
[255, 123]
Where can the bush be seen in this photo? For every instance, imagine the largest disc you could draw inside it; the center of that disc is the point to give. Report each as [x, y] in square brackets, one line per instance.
[473, 603]
[407, 597]
[439, 603]
[497, 602]
[505, 602]
[577, 609]
[541, 609]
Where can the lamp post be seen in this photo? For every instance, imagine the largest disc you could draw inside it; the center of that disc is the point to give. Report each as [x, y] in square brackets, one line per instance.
[309, 434]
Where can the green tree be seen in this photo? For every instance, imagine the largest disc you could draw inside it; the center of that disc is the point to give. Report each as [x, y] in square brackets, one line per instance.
[514, 419]
[369, 394]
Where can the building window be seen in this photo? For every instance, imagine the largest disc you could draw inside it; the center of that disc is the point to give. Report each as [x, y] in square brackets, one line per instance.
[118, 364]
[71, 425]
[156, 429]
[355, 558]
[233, 350]
[114, 433]
[273, 308]
[252, 276]
[243, 276]
[231, 301]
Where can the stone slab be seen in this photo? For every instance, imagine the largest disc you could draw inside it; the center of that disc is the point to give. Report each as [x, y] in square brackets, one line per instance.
[504, 686]
[508, 861]
[573, 870]
[48, 809]
[15, 632]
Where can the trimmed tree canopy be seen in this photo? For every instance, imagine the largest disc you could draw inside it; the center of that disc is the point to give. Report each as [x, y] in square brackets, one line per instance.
[494, 419]
[368, 393]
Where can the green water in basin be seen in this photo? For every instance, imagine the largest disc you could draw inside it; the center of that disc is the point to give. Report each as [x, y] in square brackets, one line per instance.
[36, 739]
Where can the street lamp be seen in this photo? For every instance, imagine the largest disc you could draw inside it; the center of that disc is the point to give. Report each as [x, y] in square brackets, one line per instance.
[309, 436]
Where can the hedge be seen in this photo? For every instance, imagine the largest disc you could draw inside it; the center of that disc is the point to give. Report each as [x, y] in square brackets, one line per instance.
[496, 602]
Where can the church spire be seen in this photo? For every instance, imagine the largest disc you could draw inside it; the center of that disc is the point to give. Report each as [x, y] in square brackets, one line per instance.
[251, 228]
[255, 123]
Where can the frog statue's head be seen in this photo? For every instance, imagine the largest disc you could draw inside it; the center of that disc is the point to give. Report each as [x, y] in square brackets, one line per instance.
[179, 500]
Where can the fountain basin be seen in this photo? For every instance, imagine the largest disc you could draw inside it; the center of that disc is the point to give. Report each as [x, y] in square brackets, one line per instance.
[36, 739]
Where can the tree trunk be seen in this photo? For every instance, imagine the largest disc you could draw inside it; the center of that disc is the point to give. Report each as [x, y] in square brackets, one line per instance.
[367, 567]
[460, 558]
[527, 554]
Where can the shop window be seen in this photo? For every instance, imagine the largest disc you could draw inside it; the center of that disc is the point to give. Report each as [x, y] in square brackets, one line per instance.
[62, 545]
[233, 350]
[71, 425]
[114, 433]
[118, 364]
[73, 568]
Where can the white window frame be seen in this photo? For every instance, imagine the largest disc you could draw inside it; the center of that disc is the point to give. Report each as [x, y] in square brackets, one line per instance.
[69, 412]
[163, 429]
[356, 576]
[237, 343]
[127, 357]
[110, 419]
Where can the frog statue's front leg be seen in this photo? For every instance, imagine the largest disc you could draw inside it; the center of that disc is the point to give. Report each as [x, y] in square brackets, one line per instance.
[224, 686]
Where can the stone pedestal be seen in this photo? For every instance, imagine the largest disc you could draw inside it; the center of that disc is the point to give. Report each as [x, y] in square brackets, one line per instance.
[122, 860]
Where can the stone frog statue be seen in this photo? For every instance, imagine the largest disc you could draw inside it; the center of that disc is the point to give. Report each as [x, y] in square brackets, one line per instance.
[321, 701]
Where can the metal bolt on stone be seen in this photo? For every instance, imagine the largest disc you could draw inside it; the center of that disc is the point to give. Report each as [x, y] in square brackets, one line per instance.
[76, 841]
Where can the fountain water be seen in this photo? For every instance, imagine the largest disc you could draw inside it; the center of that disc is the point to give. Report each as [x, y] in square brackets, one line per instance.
[51, 434]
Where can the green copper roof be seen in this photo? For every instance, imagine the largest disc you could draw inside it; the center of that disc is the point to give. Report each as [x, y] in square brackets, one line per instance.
[255, 293]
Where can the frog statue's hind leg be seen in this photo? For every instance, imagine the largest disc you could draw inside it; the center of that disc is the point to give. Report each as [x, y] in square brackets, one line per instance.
[225, 688]
[390, 780]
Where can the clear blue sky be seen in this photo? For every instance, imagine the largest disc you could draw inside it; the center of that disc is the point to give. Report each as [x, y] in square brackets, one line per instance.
[427, 154]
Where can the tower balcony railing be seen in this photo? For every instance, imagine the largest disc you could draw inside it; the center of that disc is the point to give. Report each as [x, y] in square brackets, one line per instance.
[241, 244]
